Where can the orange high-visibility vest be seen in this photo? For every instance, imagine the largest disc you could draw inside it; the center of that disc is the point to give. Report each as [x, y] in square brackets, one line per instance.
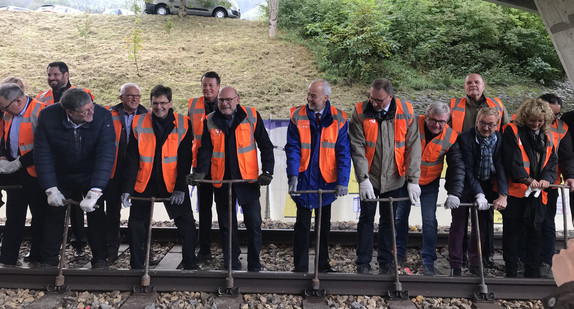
[47, 97]
[197, 114]
[557, 131]
[432, 157]
[26, 132]
[458, 110]
[518, 189]
[246, 148]
[403, 119]
[145, 136]
[118, 129]
[329, 135]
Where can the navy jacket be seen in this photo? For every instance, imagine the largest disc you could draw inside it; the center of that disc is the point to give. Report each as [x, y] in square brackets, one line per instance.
[74, 158]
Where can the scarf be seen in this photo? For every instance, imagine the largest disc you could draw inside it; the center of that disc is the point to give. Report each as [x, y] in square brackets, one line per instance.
[486, 165]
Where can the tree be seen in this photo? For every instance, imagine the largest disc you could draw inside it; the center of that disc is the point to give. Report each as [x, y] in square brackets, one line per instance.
[182, 10]
[273, 10]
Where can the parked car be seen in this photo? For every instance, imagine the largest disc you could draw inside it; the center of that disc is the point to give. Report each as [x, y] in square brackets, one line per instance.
[58, 9]
[215, 8]
[13, 8]
[118, 12]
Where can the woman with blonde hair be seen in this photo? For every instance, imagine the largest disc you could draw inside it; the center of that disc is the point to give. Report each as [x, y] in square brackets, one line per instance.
[530, 163]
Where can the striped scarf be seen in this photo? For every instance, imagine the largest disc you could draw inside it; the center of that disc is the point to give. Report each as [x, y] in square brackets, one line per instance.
[486, 165]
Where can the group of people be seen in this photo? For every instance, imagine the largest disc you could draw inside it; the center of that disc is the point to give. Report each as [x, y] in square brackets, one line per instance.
[63, 148]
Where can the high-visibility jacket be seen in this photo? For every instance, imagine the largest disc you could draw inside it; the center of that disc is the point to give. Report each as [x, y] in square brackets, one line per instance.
[197, 114]
[246, 147]
[403, 119]
[47, 97]
[518, 189]
[432, 158]
[118, 129]
[458, 110]
[557, 132]
[329, 135]
[145, 136]
[26, 132]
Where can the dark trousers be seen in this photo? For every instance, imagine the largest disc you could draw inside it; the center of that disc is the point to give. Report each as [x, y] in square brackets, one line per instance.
[429, 196]
[252, 220]
[366, 223]
[112, 196]
[301, 233]
[78, 234]
[17, 202]
[54, 228]
[457, 231]
[548, 241]
[138, 226]
[204, 204]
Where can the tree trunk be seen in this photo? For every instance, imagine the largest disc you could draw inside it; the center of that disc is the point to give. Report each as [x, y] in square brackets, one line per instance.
[182, 10]
[273, 12]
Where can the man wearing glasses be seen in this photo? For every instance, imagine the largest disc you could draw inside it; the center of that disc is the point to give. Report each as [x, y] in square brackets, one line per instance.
[122, 115]
[378, 125]
[158, 159]
[74, 155]
[17, 168]
[437, 138]
[230, 140]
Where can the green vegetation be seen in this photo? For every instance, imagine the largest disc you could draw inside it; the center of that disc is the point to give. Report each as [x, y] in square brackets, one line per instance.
[422, 44]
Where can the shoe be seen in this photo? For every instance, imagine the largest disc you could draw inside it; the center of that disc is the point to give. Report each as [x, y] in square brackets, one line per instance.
[99, 264]
[34, 265]
[190, 267]
[112, 257]
[254, 270]
[328, 270]
[464, 260]
[363, 269]
[2, 265]
[455, 272]
[386, 269]
[234, 266]
[546, 271]
[48, 266]
[203, 257]
[474, 270]
[428, 270]
[489, 262]
[27, 257]
[401, 261]
[79, 252]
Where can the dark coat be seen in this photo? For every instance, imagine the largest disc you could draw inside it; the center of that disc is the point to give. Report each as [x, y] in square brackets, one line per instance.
[470, 150]
[454, 179]
[246, 192]
[74, 158]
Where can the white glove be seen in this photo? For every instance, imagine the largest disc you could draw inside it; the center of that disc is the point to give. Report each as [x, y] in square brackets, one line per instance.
[452, 202]
[55, 197]
[481, 202]
[414, 192]
[293, 181]
[125, 198]
[177, 197]
[89, 202]
[9, 167]
[366, 191]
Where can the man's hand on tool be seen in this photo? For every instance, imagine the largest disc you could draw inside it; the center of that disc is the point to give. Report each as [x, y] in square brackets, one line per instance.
[414, 192]
[570, 183]
[366, 191]
[452, 202]
[89, 202]
[500, 203]
[125, 198]
[9, 167]
[193, 179]
[177, 197]
[293, 181]
[265, 179]
[481, 201]
[55, 197]
[341, 190]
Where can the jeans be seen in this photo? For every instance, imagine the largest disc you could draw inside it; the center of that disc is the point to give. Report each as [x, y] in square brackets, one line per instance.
[548, 242]
[429, 196]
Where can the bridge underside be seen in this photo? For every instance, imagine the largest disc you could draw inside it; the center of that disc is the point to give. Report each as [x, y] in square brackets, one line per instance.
[527, 5]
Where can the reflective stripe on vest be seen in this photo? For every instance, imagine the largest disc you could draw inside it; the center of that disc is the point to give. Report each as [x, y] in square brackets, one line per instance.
[246, 148]
[518, 189]
[118, 129]
[27, 129]
[144, 134]
[432, 158]
[403, 118]
[329, 135]
[458, 110]
[47, 97]
[197, 114]
[558, 129]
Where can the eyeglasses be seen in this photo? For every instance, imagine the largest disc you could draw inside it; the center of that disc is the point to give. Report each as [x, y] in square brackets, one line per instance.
[3, 108]
[433, 121]
[490, 125]
[379, 101]
[159, 103]
[557, 115]
[226, 100]
[87, 111]
[132, 96]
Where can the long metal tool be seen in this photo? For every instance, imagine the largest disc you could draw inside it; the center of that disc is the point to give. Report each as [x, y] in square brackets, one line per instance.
[564, 190]
[145, 280]
[59, 285]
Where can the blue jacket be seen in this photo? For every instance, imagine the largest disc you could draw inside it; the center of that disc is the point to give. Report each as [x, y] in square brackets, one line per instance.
[311, 178]
[74, 158]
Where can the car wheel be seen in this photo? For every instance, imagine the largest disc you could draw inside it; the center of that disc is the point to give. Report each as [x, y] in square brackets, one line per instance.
[161, 10]
[219, 13]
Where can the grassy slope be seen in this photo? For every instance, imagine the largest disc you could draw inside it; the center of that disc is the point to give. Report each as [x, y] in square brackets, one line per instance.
[271, 75]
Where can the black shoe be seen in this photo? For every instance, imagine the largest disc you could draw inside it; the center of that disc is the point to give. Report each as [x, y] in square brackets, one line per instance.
[474, 270]
[203, 256]
[489, 262]
[188, 267]
[99, 264]
[112, 258]
[234, 266]
[455, 272]
[428, 270]
[386, 269]
[328, 270]
[48, 266]
[27, 257]
[363, 269]
[79, 252]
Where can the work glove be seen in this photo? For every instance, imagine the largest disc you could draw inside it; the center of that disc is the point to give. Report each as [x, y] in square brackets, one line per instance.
[125, 198]
[265, 179]
[192, 179]
[535, 191]
[452, 202]
[414, 192]
[9, 167]
[177, 197]
[366, 191]
[89, 202]
[293, 181]
[55, 197]
[481, 202]
[341, 190]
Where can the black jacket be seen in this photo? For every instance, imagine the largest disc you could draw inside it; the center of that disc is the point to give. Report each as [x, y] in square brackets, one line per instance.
[74, 158]
[454, 180]
[246, 192]
[470, 150]
[123, 144]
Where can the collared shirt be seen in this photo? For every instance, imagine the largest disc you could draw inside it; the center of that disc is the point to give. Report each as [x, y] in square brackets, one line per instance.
[72, 123]
[15, 131]
[128, 119]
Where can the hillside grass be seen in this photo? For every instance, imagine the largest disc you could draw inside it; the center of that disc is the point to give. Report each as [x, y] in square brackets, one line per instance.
[269, 74]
